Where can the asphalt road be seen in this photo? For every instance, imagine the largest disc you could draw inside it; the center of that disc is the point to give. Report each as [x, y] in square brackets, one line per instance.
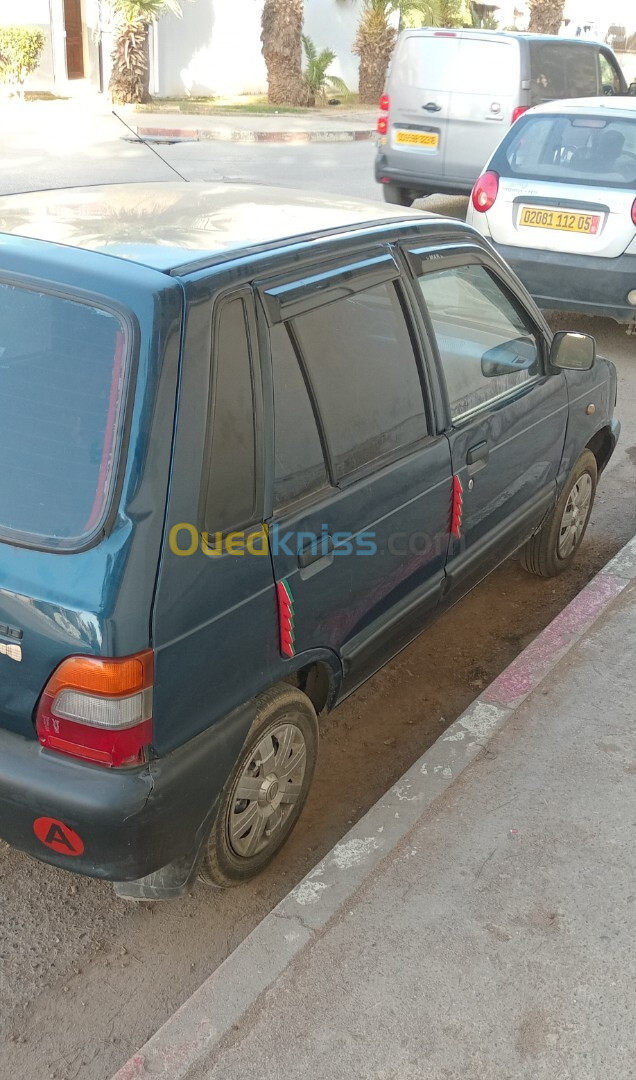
[85, 978]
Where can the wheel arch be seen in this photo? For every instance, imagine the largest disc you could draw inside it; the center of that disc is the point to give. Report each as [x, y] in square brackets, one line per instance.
[601, 445]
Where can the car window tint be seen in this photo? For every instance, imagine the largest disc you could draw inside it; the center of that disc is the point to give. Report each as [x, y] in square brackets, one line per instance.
[63, 377]
[572, 149]
[231, 483]
[361, 362]
[477, 326]
[299, 465]
[562, 70]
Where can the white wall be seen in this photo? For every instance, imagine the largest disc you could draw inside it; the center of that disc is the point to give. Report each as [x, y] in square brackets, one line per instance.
[216, 47]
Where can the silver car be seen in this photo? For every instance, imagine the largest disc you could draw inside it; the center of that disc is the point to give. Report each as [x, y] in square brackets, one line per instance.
[452, 94]
[558, 202]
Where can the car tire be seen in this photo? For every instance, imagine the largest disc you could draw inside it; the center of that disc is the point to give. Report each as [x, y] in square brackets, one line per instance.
[266, 791]
[398, 196]
[552, 549]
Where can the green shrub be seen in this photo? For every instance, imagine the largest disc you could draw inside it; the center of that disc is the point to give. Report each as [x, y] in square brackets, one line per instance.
[20, 51]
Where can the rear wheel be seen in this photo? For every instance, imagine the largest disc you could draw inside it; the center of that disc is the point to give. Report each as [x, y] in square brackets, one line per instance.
[398, 196]
[551, 550]
[267, 788]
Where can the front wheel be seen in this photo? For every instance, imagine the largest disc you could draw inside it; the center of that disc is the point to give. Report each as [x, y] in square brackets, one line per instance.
[552, 549]
[267, 788]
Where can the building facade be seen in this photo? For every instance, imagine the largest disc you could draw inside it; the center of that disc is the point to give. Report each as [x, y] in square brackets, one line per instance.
[77, 41]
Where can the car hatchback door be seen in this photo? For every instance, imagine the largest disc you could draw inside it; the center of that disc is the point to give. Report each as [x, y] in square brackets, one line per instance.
[507, 413]
[362, 480]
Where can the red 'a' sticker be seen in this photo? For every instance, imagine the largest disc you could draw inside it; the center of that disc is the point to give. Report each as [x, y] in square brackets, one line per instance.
[58, 836]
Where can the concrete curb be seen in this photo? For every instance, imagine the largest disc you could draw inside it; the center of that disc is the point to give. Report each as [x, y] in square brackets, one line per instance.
[161, 134]
[192, 1034]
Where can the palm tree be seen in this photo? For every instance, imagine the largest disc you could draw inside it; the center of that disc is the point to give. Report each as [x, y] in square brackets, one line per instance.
[546, 16]
[281, 35]
[130, 74]
[377, 33]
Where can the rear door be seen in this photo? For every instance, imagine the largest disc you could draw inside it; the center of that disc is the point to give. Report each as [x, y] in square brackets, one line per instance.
[567, 184]
[362, 479]
[507, 413]
[485, 92]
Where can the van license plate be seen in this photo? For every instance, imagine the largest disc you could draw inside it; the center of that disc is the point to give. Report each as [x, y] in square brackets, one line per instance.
[539, 217]
[429, 139]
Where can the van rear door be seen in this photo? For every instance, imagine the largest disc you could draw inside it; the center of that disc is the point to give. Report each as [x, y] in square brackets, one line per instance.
[485, 92]
[420, 96]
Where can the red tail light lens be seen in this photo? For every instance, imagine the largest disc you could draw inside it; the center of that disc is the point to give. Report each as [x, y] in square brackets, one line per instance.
[634, 211]
[383, 125]
[99, 710]
[519, 111]
[385, 103]
[485, 192]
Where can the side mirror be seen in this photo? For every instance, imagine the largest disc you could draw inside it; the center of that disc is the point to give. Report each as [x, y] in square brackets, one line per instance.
[575, 352]
[509, 357]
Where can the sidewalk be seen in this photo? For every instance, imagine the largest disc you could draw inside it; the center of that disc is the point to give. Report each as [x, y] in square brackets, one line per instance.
[478, 923]
[350, 126]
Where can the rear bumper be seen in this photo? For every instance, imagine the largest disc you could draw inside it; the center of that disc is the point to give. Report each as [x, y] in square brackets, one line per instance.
[419, 181]
[131, 822]
[575, 282]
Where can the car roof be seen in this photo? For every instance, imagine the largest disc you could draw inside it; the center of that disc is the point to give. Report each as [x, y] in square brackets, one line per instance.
[179, 225]
[624, 107]
[509, 35]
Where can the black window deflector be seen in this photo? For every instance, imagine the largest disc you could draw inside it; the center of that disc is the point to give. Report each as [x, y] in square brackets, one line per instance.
[289, 299]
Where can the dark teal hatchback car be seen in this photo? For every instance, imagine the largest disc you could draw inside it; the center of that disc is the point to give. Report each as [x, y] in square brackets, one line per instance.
[254, 442]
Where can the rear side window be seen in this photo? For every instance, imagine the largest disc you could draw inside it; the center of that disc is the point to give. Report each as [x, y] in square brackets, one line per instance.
[231, 487]
[300, 468]
[572, 149]
[562, 70]
[361, 363]
[63, 369]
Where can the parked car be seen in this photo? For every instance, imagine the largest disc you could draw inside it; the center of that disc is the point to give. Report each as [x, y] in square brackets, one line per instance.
[452, 94]
[254, 443]
[558, 201]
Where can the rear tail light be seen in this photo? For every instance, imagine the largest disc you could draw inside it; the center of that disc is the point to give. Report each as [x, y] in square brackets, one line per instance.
[383, 121]
[634, 211]
[485, 192]
[519, 111]
[99, 710]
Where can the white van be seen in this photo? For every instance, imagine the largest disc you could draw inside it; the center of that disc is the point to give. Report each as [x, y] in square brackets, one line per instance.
[451, 95]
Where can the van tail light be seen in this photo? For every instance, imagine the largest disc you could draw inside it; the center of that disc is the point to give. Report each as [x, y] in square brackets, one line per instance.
[99, 709]
[383, 121]
[634, 211]
[485, 192]
[519, 111]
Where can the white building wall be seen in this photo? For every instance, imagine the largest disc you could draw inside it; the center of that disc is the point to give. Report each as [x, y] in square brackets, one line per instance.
[216, 47]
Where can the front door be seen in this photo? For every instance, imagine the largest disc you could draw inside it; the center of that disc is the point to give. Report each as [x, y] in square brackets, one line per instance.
[507, 411]
[74, 39]
[362, 481]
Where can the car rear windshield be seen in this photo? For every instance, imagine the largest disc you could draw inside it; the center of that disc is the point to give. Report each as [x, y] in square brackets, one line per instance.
[463, 65]
[571, 150]
[61, 394]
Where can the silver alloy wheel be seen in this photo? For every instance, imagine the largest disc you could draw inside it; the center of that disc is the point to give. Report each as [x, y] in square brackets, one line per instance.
[575, 516]
[266, 791]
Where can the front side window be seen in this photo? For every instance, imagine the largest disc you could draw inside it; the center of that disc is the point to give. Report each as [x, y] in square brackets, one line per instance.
[610, 78]
[361, 363]
[487, 348]
[231, 484]
[572, 149]
[63, 376]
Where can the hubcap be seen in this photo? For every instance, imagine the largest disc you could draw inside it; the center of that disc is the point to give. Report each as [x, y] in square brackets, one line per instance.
[575, 516]
[267, 790]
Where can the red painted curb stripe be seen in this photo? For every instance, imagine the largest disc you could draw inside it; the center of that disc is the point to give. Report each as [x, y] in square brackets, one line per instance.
[170, 133]
[533, 664]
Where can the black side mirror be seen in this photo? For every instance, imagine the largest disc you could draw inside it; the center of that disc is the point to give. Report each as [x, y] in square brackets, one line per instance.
[575, 352]
[509, 357]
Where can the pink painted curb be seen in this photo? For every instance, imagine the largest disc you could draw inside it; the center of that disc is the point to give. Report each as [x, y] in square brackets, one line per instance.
[240, 136]
[189, 1039]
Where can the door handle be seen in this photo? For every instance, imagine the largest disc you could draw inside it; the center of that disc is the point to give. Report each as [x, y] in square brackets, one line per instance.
[432, 107]
[477, 457]
[317, 551]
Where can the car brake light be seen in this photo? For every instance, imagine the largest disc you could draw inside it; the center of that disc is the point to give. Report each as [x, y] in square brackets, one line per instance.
[385, 103]
[99, 709]
[444, 33]
[383, 125]
[485, 192]
[519, 111]
[634, 211]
